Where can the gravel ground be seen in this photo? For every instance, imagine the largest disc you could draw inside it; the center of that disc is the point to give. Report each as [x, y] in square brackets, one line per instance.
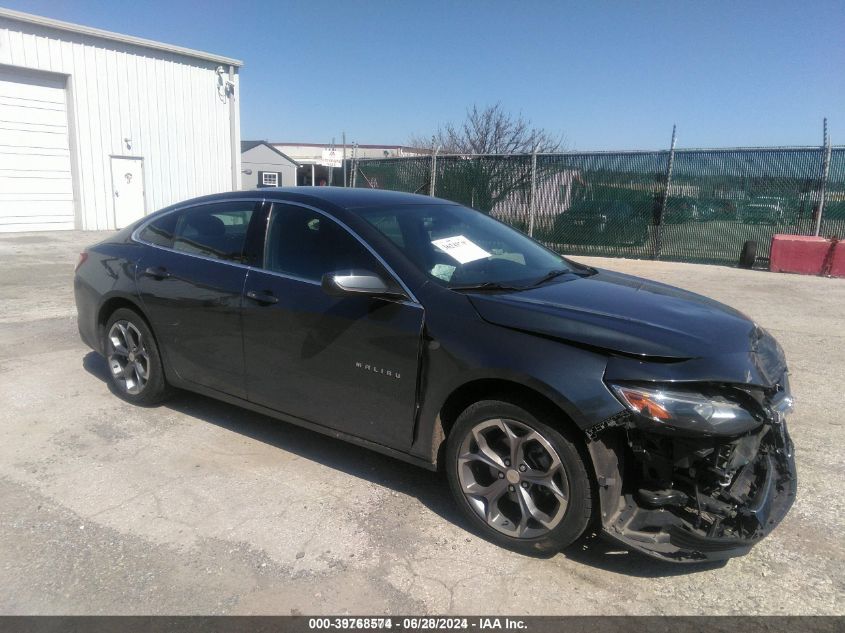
[200, 507]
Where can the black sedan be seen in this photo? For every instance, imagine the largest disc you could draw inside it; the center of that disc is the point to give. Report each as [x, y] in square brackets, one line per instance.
[560, 399]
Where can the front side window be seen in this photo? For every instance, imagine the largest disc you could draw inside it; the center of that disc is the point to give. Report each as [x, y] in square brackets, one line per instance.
[458, 246]
[306, 244]
[216, 230]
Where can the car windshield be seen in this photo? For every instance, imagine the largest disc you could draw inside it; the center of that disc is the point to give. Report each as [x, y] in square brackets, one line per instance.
[460, 247]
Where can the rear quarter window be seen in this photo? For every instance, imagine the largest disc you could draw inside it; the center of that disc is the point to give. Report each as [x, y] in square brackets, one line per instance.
[160, 232]
[217, 231]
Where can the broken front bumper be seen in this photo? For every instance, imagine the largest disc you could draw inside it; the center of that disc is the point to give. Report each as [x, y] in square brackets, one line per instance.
[694, 500]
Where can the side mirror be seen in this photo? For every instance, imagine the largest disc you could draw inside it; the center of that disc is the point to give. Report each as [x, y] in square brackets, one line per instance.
[357, 282]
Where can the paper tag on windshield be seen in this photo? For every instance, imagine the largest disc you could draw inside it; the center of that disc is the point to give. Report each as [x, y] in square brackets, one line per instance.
[460, 249]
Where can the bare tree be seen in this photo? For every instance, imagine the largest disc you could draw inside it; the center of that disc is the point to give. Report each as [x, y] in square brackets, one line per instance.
[489, 162]
[490, 130]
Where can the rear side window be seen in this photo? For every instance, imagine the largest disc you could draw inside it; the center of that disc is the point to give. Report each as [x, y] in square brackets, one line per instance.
[306, 244]
[216, 230]
[160, 231]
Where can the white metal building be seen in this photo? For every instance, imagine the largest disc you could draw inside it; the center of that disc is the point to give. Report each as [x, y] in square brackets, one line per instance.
[98, 129]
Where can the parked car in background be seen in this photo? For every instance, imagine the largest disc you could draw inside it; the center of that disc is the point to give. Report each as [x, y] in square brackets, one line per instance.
[557, 397]
[721, 209]
[619, 217]
[705, 211]
[834, 212]
[701, 209]
[683, 209]
[765, 210]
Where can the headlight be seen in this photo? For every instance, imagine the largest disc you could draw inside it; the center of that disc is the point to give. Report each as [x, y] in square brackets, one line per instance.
[686, 410]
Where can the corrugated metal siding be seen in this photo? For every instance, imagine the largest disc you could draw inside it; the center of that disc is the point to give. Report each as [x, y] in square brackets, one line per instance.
[167, 104]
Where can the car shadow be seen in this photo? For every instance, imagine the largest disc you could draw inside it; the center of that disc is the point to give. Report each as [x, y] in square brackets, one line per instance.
[430, 488]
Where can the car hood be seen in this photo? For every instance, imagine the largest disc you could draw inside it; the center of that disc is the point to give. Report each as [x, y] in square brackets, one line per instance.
[626, 315]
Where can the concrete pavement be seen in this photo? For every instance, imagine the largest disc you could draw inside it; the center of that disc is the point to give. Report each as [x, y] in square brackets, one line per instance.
[200, 507]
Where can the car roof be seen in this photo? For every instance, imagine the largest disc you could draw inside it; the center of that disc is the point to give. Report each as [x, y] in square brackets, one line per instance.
[350, 198]
[344, 197]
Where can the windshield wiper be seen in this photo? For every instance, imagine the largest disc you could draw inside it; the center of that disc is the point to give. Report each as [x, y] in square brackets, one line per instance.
[487, 285]
[495, 285]
[583, 270]
[550, 275]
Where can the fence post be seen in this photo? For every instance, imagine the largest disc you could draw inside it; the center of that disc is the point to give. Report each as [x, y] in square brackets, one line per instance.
[825, 176]
[532, 207]
[354, 165]
[433, 172]
[343, 136]
[658, 234]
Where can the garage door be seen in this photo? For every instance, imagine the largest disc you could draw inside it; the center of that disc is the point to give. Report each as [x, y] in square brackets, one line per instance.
[36, 191]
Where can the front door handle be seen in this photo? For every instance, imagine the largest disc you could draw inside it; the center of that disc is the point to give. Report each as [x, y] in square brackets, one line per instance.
[265, 298]
[157, 272]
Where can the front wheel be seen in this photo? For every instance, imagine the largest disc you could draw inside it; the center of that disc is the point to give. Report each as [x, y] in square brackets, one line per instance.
[522, 483]
[135, 368]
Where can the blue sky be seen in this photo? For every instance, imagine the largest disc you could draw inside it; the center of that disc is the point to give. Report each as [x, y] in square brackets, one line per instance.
[608, 75]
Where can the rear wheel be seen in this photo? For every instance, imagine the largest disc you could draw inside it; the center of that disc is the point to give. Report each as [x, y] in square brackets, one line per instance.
[519, 481]
[135, 369]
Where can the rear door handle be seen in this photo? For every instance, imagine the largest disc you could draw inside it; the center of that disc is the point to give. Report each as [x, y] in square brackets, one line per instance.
[265, 298]
[157, 272]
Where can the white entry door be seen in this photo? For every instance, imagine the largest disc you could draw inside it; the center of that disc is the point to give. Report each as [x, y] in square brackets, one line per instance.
[127, 181]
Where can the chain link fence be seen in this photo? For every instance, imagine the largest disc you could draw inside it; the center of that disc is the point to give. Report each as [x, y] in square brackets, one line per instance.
[631, 204]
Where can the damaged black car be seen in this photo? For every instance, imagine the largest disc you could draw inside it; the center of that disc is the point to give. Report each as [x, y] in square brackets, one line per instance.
[559, 399]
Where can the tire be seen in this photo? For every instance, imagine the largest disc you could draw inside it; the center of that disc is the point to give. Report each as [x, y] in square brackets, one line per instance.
[134, 362]
[505, 521]
[748, 255]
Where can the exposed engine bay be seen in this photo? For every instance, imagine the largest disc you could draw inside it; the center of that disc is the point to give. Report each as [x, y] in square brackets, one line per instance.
[689, 498]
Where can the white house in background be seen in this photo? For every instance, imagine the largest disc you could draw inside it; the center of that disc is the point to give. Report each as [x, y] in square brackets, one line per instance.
[309, 155]
[262, 165]
[99, 129]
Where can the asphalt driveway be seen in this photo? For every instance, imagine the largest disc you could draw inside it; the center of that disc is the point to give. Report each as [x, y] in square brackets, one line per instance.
[200, 507]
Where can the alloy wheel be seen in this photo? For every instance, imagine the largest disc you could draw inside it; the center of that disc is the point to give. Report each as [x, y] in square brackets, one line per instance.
[128, 358]
[513, 478]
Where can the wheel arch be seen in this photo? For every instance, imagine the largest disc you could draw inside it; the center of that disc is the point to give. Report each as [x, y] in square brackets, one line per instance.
[109, 306]
[530, 397]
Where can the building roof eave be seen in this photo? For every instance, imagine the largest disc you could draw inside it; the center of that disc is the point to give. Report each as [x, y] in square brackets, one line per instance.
[248, 145]
[20, 16]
